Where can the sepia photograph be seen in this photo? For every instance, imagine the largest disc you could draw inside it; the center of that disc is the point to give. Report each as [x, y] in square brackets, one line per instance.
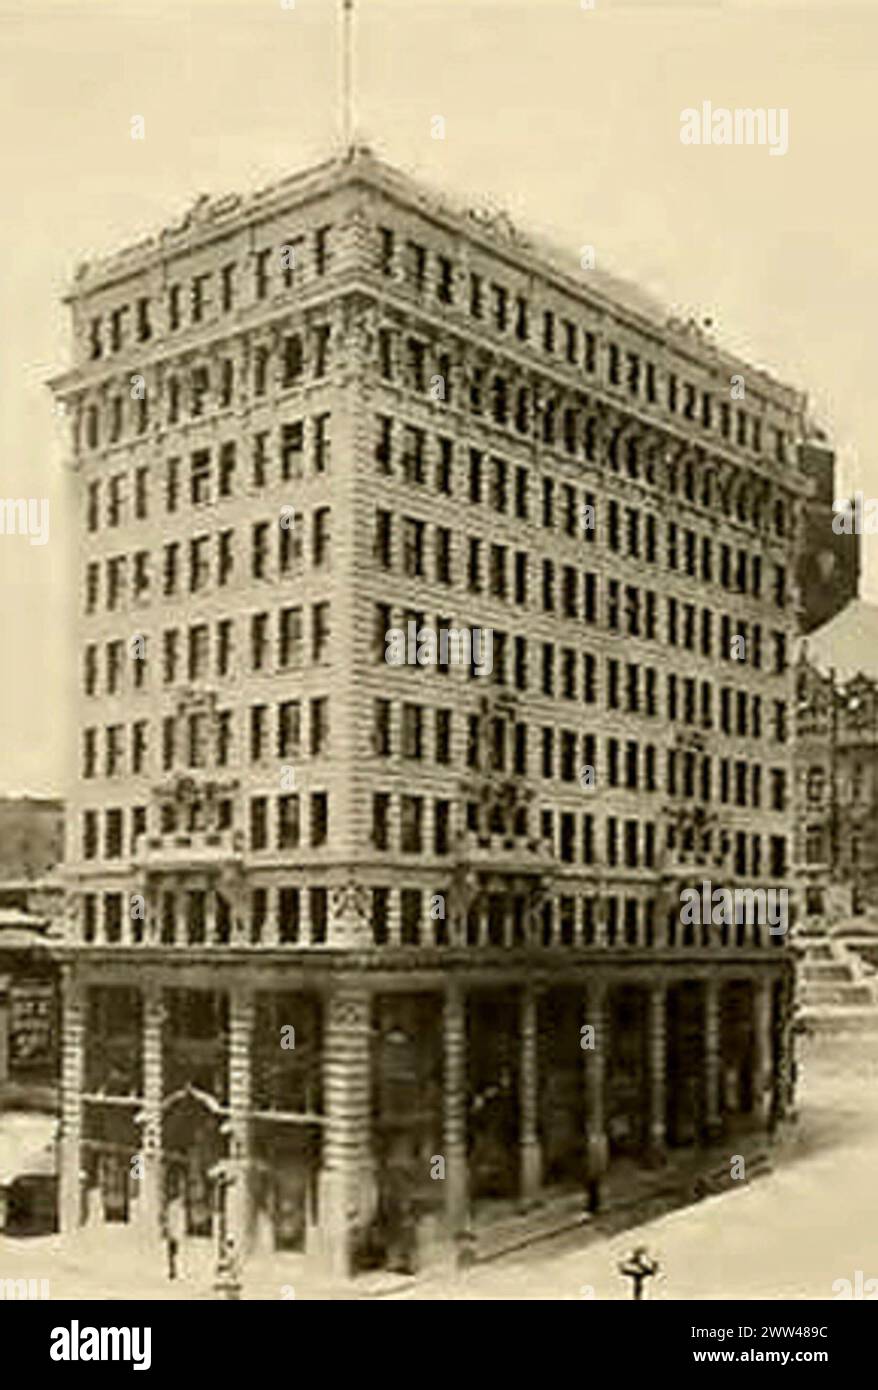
[439, 726]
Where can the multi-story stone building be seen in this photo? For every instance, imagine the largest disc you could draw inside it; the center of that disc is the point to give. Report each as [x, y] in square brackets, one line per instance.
[299, 421]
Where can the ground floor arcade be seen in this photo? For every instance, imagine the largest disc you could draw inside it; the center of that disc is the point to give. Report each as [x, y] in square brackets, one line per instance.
[366, 1117]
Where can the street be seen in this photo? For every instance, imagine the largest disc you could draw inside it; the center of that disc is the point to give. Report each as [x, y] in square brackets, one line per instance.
[793, 1234]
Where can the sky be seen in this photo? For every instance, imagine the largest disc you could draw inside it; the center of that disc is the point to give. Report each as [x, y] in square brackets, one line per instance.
[569, 117]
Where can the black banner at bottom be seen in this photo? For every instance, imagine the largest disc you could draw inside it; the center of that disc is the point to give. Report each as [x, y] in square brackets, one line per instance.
[65, 1338]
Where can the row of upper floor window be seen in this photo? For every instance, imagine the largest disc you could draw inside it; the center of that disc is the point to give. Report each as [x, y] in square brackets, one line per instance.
[195, 740]
[103, 832]
[208, 477]
[210, 293]
[568, 756]
[630, 688]
[626, 530]
[413, 824]
[850, 733]
[849, 851]
[210, 561]
[403, 540]
[199, 917]
[590, 919]
[203, 650]
[627, 609]
[290, 915]
[556, 671]
[276, 549]
[507, 488]
[185, 653]
[275, 823]
[859, 783]
[576, 428]
[584, 348]
[115, 417]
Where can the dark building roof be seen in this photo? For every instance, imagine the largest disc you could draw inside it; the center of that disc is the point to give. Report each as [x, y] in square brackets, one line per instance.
[848, 643]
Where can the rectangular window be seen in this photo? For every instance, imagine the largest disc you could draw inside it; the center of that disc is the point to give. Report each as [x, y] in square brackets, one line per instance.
[319, 819]
[258, 822]
[290, 638]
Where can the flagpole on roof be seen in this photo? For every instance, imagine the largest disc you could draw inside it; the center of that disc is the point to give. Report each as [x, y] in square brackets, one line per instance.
[347, 74]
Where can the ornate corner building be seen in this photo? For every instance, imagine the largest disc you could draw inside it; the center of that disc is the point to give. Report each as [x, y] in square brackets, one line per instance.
[836, 751]
[338, 929]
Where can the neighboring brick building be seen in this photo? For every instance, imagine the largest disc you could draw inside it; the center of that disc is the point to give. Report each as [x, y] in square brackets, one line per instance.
[837, 765]
[828, 566]
[274, 827]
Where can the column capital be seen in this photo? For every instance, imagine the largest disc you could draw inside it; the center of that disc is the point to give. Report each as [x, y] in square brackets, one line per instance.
[153, 995]
[348, 1008]
[242, 1002]
[596, 990]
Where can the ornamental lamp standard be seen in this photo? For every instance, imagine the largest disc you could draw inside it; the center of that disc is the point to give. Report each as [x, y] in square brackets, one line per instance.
[227, 1278]
[638, 1268]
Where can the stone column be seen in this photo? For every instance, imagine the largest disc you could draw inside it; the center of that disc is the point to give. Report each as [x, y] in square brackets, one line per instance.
[209, 913]
[785, 1079]
[596, 1143]
[660, 919]
[712, 1059]
[72, 1080]
[656, 1058]
[240, 1073]
[347, 1180]
[271, 930]
[601, 915]
[763, 1049]
[150, 1198]
[455, 1107]
[528, 1096]
[394, 917]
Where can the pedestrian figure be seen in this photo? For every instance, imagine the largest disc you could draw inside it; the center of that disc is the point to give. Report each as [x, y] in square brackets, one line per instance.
[638, 1269]
[173, 1232]
[593, 1199]
[400, 1220]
